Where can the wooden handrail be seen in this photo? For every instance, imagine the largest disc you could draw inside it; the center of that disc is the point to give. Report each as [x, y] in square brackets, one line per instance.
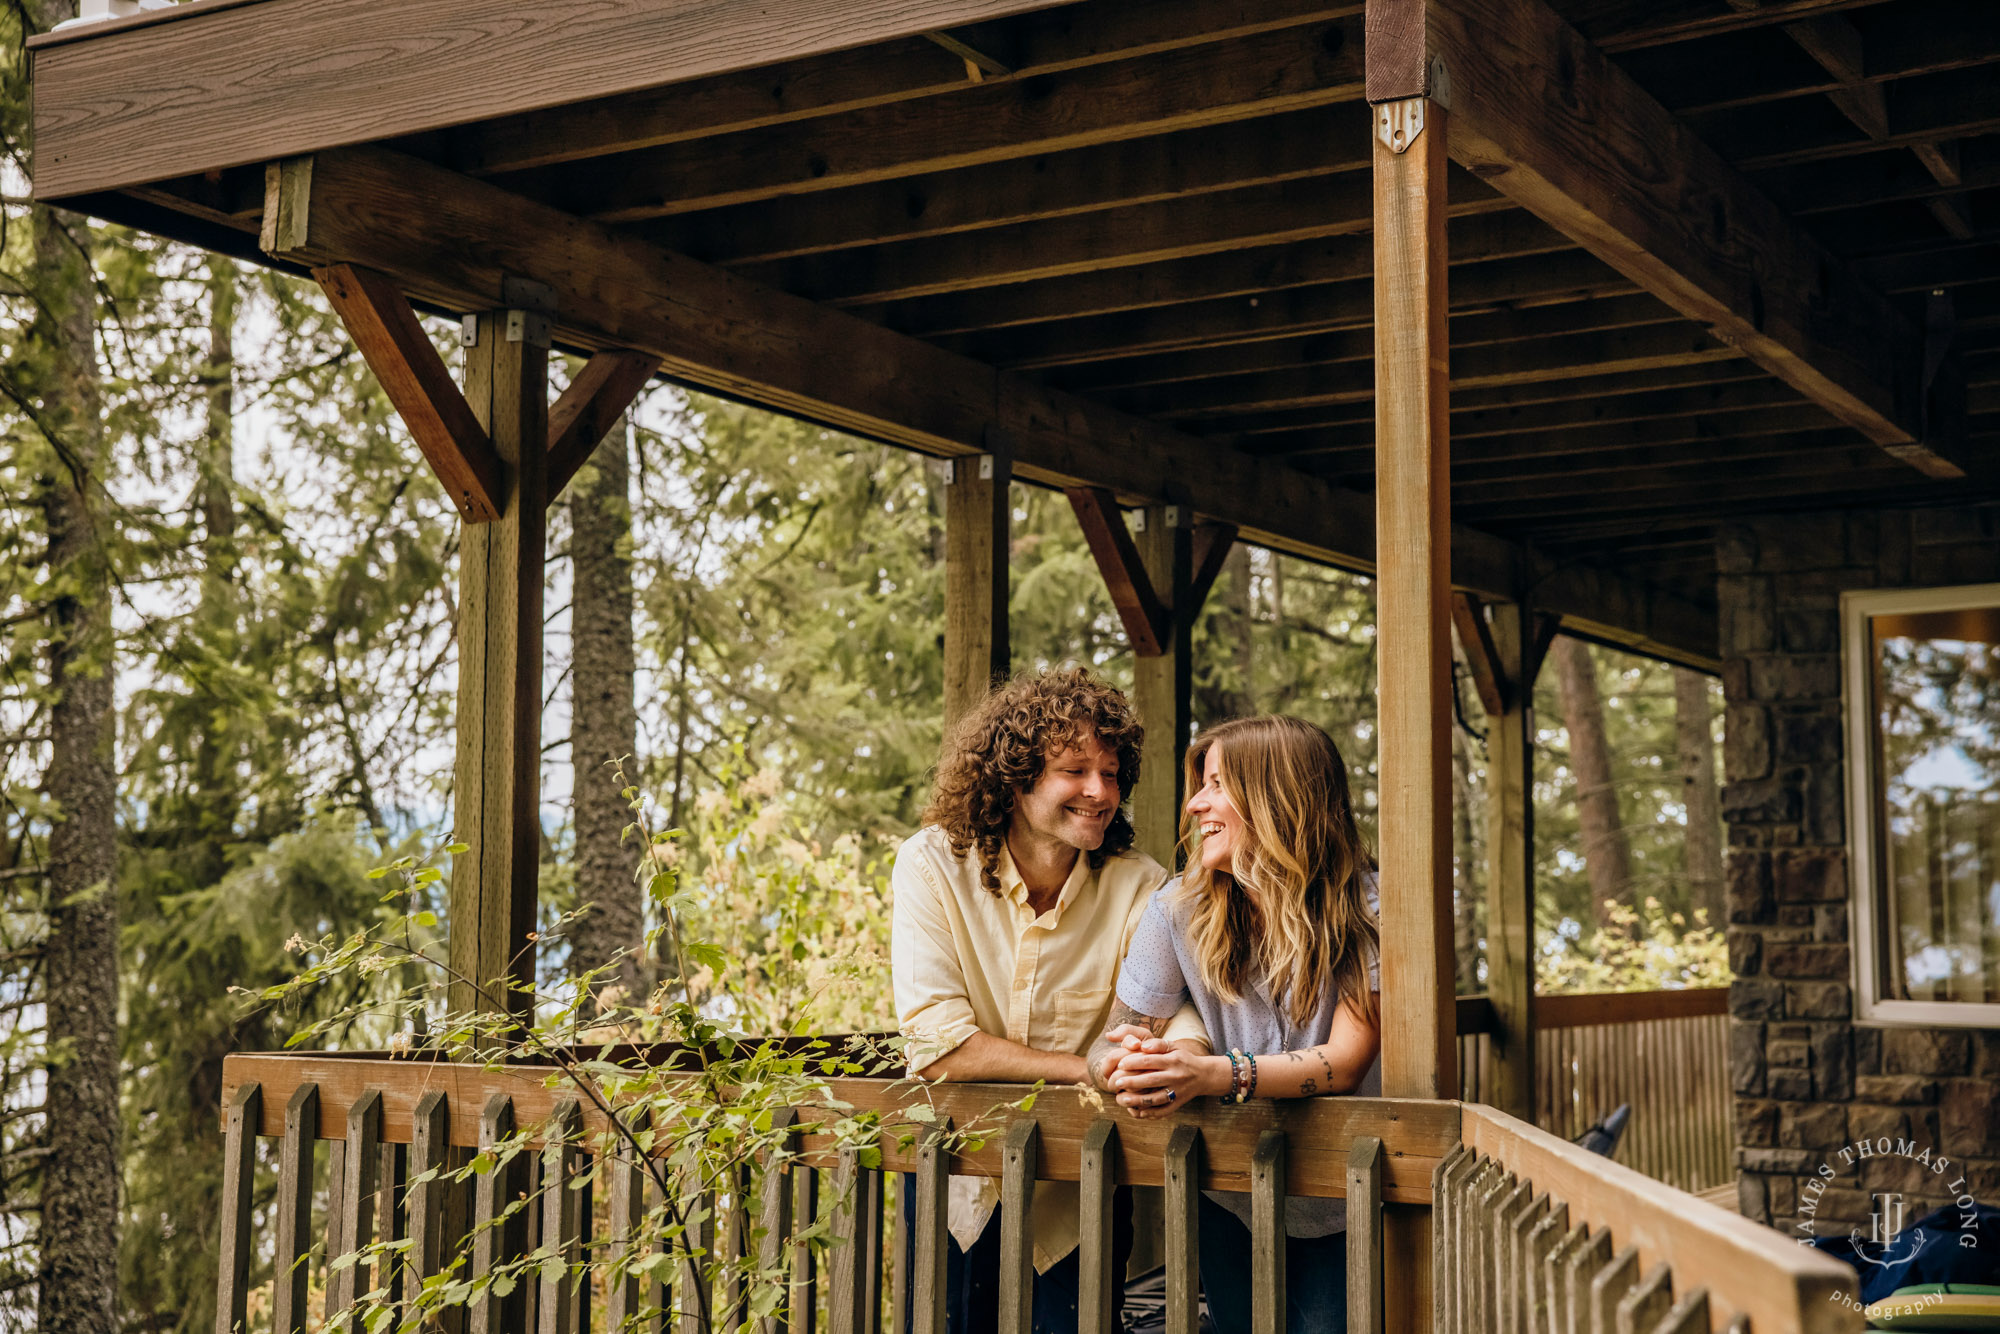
[1415, 1135]
[1589, 1009]
[1747, 1270]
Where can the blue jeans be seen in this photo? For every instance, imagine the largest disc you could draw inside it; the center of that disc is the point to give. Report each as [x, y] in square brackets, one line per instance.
[1315, 1276]
[972, 1278]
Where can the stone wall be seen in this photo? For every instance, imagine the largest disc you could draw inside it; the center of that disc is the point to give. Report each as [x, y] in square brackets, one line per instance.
[1809, 1081]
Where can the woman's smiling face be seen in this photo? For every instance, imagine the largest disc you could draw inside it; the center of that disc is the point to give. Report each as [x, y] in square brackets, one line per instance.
[1215, 815]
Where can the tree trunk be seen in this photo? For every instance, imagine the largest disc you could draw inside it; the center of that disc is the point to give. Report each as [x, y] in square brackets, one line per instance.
[604, 724]
[1694, 728]
[1606, 857]
[79, 1229]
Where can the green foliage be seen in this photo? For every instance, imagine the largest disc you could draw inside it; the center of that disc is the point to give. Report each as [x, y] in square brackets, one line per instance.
[1646, 949]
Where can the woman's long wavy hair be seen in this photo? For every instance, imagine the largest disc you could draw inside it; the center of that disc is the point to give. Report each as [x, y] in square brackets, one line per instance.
[1001, 747]
[1302, 851]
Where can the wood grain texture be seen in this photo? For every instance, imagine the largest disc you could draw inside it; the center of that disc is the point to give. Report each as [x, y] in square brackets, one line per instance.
[1183, 1162]
[847, 1279]
[777, 1222]
[591, 408]
[1398, 53]
[353, 1224]
[1598, 158]
[290, 1263]
[1413, 588]
[927, 1281]
[489, 1201]
[1097, 1173]
[1267, 1233]
[978, 516]
[430, 1151]
[1416, 1134]
[1510, 856]
[252, 83]
[394, 345]
[240, 1121]
[736, 338]
[1017, 1250]
[497, 776]
[1146, 616]
[1748, 1269]
[1262, 74]
[1163, 684]
[562, 1220]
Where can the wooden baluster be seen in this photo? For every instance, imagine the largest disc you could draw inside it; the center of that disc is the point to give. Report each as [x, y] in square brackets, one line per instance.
[1520, 1274]
[1465, 1249]
[562, 1224]
[430, 1149]
[1098, 1176]
[524, 1238]
[336, 1183]
[1267, 1234]
[1183, 1170]
[1608, 1287]
[1689, 1316]
[846, 1284]
[1451, 1302]
[1506, 1272]
[240, 1123]
[391, 1186]
[894, 1250]
[805, 1263]
[931, 1233]
[489, 1201]
[779, 1168]
[1443, 1183]
[1365, 1310]
[1485, 1300]
[624, 1297]
[660, 1295]
[733, 1236]
[871, 1264]
[1018, 1160]
[695, 1296]
[1534, 1264]
[1641, 1310]
[354, 1228]
[1584, 1264]
[1555, 1280]
[294, 1211]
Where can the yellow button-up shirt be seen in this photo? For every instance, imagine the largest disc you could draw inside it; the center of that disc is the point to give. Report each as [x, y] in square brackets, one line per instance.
[967, 960]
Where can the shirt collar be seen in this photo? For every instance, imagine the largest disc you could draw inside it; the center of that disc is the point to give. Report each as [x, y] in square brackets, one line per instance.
[1015, 890]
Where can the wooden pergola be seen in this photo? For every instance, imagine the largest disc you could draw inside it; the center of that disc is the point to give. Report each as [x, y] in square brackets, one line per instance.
[1505, 302]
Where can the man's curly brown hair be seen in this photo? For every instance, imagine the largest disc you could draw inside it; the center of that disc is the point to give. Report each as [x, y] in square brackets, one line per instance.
[1000, 748]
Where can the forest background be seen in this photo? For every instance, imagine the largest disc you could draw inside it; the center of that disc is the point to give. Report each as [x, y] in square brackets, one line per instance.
[226, 623]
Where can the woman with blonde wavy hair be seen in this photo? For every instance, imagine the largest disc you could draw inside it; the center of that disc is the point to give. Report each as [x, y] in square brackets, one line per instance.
[1271, 931]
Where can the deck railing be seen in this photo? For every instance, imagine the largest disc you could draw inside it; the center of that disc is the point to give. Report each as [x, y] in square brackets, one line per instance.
[380, 1127]
[1664, 1052]
[1543, 1236]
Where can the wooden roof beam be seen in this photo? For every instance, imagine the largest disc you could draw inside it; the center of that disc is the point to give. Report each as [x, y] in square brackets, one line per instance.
[1546, 118]
[715, 330]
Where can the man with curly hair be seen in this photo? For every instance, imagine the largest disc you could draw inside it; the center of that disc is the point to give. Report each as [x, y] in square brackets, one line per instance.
[1013, 907]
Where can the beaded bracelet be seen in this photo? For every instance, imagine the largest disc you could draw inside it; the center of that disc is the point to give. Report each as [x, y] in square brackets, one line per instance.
[1251, 1092]
[1235, 1078]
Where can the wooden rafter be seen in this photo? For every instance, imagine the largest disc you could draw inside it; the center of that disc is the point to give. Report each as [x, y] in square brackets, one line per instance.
[415, 378]
[714, 329]
[1599, 159]
[1212, 542]
[587, 411]
[1475, 639]
[1148, 622]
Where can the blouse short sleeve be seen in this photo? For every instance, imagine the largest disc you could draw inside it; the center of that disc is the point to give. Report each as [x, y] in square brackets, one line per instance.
[1151, 980]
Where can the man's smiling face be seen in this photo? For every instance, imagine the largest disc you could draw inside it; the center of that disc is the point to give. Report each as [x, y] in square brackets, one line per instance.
[1074, 800]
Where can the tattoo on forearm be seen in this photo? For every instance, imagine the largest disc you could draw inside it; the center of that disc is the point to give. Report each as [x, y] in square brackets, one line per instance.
[1310, 1087]
[1325, 1065]
[1293, 1056]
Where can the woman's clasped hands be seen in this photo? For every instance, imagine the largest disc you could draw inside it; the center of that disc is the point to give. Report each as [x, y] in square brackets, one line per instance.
[1154, 1077]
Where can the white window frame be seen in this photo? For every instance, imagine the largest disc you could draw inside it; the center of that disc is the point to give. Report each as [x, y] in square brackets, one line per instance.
[1863, 846]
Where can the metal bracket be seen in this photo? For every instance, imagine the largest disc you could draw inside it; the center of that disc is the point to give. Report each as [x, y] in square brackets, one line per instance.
[468, 331]
[951, 467]
[1440, 90]
[1176, 516]
[528, 326]
[1398, 123]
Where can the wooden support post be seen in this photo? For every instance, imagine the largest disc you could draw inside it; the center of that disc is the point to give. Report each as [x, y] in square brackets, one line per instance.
[1413, 597]
[1510, 864]
[497, 782]
[976, 514]
[1163, 684]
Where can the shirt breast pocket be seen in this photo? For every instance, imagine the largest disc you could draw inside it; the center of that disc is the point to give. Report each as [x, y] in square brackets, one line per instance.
[1077, 1018]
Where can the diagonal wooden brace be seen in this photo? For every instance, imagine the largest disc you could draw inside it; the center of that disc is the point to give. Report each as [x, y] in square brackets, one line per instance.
[588, 410]
[1489, 675]
[379, 319]
[1148, 621]
[1212, 541]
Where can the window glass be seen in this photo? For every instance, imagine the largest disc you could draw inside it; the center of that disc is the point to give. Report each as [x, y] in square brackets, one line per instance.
[1936, 679]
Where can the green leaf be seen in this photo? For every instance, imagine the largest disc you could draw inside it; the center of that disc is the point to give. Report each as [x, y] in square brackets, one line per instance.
[458, 849]
[871, 1157]
[426, 919]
